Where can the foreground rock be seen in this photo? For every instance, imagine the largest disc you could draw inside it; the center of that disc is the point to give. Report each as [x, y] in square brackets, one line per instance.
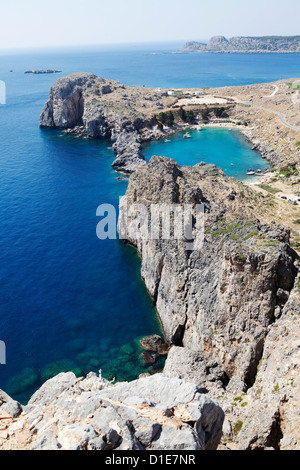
[9, 406]
[154, 413]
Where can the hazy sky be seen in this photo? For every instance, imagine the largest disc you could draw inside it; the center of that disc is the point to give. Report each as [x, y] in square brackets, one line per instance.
[38, 23]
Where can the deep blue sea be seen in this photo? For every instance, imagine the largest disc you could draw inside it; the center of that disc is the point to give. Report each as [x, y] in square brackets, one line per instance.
[69, 301]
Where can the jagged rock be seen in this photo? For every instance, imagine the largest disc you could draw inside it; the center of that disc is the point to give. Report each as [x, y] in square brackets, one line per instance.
[247, 44]
[129, 154]
[151, 343]
[183, 363]
[149, 358]
[92, 414]
[88, 106]
[218, 300]
[273, 416]
[10, 406]
[65, 107]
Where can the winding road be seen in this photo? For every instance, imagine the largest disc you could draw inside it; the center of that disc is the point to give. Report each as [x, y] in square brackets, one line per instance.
[268, 110]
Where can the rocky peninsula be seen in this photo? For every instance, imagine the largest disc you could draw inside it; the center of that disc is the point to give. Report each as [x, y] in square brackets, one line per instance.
[247, 44]
[224, 308]
[229, 311]
[87, 106]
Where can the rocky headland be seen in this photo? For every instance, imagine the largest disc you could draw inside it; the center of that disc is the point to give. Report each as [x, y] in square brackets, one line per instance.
[153, 413]
[85, 105]
[229, 310]
[247, 44]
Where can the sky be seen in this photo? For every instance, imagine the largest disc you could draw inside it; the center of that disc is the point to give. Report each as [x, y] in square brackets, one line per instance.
[40, 23]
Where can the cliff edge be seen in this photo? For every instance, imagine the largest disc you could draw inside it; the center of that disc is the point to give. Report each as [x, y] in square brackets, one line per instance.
[153, 413]
[222, 306]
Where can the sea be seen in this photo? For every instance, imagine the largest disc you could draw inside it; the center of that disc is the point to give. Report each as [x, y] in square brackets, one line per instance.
[68, 300]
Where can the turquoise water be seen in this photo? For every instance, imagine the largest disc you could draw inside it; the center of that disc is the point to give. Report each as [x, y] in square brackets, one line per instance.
[67, 300]
[227, 149]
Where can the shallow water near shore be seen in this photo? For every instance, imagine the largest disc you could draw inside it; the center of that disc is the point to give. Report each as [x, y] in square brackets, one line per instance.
[67, 300]
[228, 149]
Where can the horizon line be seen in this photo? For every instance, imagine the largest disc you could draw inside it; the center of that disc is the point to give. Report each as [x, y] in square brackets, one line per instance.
[131, 43]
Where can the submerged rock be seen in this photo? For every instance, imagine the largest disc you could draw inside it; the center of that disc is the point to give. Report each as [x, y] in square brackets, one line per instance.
[149, 358]
[23, 381]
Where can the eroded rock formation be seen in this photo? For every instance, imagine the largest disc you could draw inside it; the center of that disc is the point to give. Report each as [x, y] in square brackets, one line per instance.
[83, 104]
[153, 413]
[218, 305]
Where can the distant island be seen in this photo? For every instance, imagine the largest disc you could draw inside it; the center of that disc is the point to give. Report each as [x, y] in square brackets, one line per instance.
[39, 72]
[247, 44]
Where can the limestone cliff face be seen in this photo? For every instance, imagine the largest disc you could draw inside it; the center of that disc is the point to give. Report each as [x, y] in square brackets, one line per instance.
[65, 107]
[85, 105]
[217, 302]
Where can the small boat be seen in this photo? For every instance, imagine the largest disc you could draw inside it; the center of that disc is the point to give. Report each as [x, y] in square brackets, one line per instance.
[187, 136]
[251, 172]
[167, 141]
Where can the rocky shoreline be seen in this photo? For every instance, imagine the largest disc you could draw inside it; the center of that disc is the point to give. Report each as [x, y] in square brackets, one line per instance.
[84, 105]
[266, 152]
[217, 307]
[220, 306]
[87, 106]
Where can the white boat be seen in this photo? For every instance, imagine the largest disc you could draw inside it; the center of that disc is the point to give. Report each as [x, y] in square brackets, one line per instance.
[187, 136]
[251, 172]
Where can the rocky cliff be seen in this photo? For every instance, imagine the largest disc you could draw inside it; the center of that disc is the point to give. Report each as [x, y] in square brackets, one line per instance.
[83, 104]
[220, 306]
[154, 413]
[278, 44]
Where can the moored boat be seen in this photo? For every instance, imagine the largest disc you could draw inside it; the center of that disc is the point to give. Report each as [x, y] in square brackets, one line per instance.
[187, 136]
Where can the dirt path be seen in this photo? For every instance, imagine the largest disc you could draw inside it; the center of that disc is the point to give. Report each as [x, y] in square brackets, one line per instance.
[268, 110]
[274, 92]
